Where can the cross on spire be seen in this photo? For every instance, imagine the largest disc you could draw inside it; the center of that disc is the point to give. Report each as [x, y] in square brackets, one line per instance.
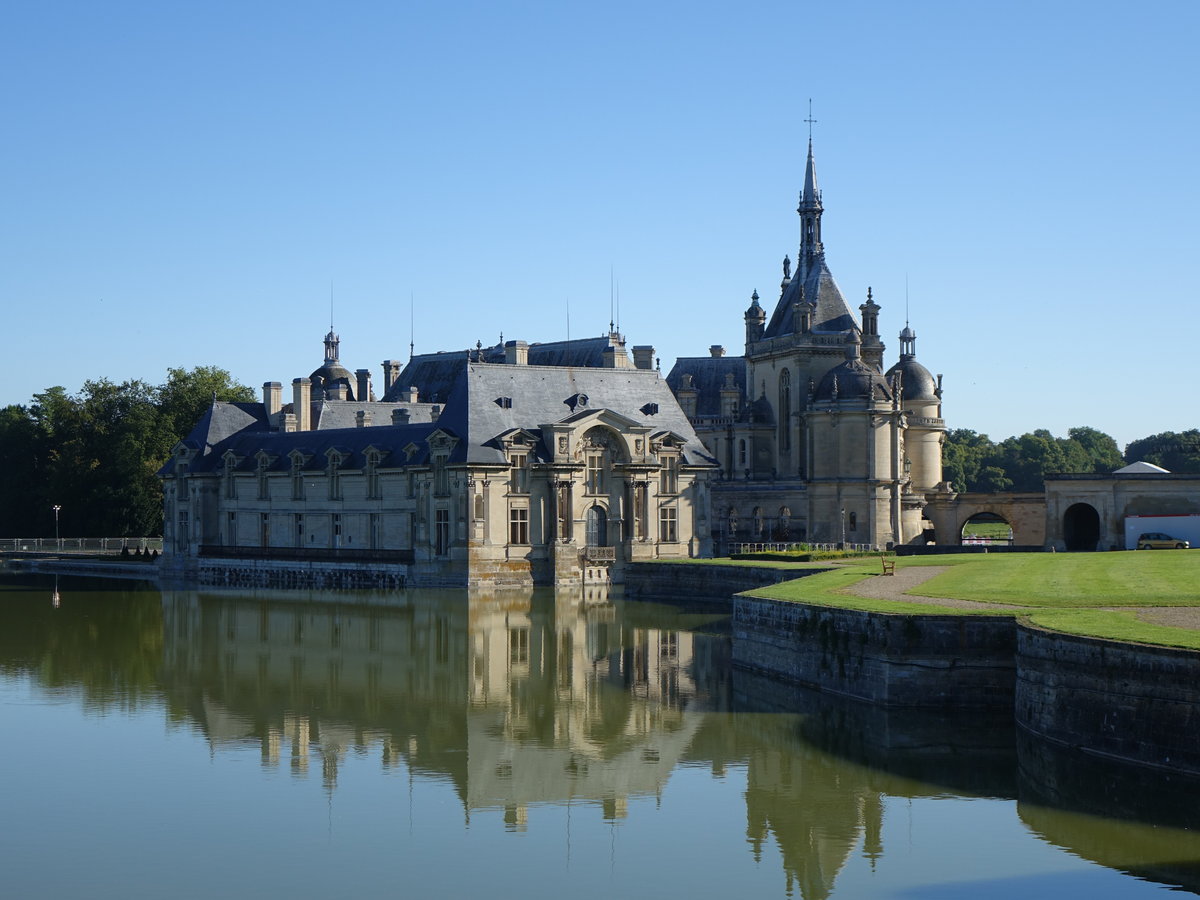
[810, 120]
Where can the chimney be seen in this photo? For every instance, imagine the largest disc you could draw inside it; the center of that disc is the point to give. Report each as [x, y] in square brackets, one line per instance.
[272, 398]
[363, 419]
[289, 422]
[391, 371]
[409, 395]
[516, 353]
[301, 399]
[338, 391]
[716, 351]
[643, 357]
[399, 416]
[615, 358]
[435, 412]
[363, 394]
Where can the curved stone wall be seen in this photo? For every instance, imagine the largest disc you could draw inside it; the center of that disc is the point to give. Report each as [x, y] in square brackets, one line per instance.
[1130, 702]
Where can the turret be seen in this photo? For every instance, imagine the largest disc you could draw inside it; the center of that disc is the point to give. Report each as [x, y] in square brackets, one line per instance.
[756, 318]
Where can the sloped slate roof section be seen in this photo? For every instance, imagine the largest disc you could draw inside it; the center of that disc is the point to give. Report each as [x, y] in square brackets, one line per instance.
[221, 420]
[351, 442]
[434, 374]
[833, 313]
[708, 378]
[344, 413]
[538, 393]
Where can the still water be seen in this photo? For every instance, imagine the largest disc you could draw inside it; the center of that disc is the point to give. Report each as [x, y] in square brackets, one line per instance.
[229, 743]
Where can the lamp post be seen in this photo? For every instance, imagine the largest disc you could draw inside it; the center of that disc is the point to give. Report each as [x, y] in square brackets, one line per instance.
[57, 544]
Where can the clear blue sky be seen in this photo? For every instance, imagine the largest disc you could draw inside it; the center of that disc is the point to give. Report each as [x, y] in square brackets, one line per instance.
[182, 182]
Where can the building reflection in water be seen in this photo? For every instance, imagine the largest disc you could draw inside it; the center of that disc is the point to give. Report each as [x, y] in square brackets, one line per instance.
[540, 699]
[519, 701]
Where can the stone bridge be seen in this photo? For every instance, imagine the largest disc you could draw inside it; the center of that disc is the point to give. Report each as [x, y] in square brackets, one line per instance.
[1025, 514]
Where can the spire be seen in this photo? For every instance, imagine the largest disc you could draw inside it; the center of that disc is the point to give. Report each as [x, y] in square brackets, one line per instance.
[810, 210]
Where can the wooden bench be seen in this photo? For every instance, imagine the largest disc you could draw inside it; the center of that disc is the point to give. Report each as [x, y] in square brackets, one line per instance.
[889, 565]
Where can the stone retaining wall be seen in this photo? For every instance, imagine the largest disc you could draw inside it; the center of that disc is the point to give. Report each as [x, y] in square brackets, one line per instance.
[1131, 702]
[934, 661]
[276, 573]
[696, 581]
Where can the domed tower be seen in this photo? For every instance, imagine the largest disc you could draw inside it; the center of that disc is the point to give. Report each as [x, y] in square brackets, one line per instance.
[332, 381]
[853, 424]
[920, 397]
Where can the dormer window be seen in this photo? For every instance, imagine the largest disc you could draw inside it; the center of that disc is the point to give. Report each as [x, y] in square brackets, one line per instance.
[518, 478]
[441, 477]
[230, 479]
[260, 472]
[668, 474]
[371, 474]
[297, 477]
[335, 475]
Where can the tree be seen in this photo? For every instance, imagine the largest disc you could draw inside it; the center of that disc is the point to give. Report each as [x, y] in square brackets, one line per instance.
[186, 394]
[1174, 452]
[97, 453]
[1100, 448]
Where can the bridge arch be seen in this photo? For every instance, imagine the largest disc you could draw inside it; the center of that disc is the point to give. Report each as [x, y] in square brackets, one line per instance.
[1081, 527]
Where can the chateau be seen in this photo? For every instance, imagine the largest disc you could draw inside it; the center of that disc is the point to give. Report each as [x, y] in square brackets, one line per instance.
[560, 463]
[816, 442]
[518, 464]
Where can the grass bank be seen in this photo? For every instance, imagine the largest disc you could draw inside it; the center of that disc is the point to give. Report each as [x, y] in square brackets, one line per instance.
[1065, 592]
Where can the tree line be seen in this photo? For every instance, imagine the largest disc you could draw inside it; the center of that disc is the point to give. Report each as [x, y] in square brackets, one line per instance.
[96, 453]
[973, 462]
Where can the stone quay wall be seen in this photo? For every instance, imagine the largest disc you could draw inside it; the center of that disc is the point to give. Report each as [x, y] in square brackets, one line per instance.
[291, 574]
[1130, 702]
[699, 582]
[934, 661]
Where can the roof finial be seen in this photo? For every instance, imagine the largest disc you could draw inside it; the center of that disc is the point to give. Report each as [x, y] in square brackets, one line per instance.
[811, 121]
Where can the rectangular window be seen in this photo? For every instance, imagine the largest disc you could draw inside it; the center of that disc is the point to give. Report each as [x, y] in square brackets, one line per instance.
[442, 532]
[299, 526]
[230, 480]
[595, 473]
[336, 530]
[372, 476]
[263, 487]
[518, 525]
[335, 478]
[668, 482]
[376, 533]
[518, 479]
[231, 530]
[264, 530]
[297, 482]
[667, 525]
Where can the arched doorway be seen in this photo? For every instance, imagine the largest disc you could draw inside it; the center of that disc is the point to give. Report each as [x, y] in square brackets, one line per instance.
[986, 529]
[1081, 527]
[597, 527]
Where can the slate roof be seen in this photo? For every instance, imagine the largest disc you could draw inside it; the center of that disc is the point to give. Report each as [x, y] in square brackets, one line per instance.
[539, 395]
[434, 374]
[223, 419]
[531, 396]
[708, 378]
[344, 413]
[833, 313]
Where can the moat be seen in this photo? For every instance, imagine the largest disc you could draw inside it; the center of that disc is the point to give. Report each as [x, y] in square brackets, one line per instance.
[233, 742]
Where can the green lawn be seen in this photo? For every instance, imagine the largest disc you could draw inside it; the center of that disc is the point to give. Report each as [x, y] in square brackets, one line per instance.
[1060, 591]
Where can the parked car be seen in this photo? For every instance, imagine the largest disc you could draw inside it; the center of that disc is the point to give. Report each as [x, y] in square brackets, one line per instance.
[1156, 540]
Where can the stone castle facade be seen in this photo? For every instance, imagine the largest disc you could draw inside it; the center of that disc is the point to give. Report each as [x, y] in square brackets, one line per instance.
[815, 440]
[519, 464]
